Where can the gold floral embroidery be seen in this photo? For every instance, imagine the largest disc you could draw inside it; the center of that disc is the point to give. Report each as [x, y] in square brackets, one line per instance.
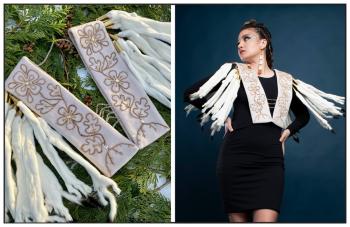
[55, 90]
[92, 38]
[91, 123]
[69, 117]
[45, 105]
[122, 101]
[93, 144]
[257, 99]
[117, 81]
[26, 83]
[255, 92]
[100, 65]
[141, 108]
[254, 89]
[285, 96]
[141, 132]
[116, 150]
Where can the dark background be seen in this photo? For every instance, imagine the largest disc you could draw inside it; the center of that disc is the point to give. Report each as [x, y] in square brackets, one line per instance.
[309, 42]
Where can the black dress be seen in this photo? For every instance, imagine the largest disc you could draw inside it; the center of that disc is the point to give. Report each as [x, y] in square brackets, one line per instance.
[250, 165]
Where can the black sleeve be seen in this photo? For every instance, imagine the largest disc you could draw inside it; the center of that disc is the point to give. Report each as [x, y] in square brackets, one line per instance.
[194, 88]
[301, 113]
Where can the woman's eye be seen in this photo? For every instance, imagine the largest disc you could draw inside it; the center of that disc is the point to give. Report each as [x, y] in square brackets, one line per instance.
[245, 38]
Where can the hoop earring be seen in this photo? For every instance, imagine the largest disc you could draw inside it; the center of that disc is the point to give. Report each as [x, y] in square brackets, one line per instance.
[260, 65]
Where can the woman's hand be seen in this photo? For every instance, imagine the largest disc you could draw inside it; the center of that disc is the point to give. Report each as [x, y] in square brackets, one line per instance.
[228, 125]
[284, 135]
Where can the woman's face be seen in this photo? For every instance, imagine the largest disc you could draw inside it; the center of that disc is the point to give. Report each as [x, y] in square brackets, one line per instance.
[249, 45]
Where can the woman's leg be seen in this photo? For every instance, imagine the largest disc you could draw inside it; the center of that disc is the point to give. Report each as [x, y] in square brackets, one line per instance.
[238, 217]
[265, 215]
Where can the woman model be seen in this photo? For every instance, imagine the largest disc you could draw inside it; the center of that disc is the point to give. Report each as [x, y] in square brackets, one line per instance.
[250, 165]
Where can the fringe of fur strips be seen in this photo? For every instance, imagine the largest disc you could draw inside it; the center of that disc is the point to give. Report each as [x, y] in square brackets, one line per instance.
[33, 192]
[217, 108]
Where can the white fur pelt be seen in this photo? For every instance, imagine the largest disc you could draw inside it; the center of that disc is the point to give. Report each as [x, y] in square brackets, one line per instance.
[321, 104]
[147, 50]
[30, 199]
[35, 194]
[163, 27]
[155, 78]
[100, 182]
[218, 107]
[123, 21]
[142, 77]
[73, 184]
[141, 43]
[10, 181]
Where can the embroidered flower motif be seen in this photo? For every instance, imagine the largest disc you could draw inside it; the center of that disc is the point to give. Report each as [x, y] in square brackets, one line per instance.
[111, 60]
[255, 93]
[102, 64]
[282, 103]
[122, 102]
[69, 117]
[92, 38]
[95, 64]
[254, 89]
[141, 108]
[26, 83]
[117, 81]
[91, 122]
[55, 90]
[284, 97]
[256, 107]
[93, 145]
[260, 98]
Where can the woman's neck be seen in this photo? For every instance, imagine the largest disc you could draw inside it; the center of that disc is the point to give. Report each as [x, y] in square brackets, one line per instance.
[265, 72]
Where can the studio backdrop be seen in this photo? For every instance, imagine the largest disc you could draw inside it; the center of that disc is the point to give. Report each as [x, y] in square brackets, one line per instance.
[309, 42]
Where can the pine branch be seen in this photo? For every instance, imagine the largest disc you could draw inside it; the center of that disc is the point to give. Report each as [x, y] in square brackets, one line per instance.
[31, 30]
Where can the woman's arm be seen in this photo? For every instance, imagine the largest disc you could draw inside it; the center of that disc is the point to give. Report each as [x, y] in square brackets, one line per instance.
[192, 89]
[301, 113]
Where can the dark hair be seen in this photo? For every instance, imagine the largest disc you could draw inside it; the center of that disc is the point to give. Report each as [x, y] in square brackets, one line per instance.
[264, 33]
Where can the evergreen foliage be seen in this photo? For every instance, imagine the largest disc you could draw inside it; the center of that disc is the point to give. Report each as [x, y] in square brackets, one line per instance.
[30, 30]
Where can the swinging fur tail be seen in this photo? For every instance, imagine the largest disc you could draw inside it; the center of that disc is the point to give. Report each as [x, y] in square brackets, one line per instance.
[218, 107]
[321, 104]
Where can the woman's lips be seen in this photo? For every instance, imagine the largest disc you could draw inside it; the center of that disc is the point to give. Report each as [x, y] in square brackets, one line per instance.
[241, 51]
